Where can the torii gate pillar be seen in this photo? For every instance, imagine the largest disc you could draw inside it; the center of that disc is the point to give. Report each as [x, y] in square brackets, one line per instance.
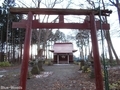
[27, 42]
[97, 64]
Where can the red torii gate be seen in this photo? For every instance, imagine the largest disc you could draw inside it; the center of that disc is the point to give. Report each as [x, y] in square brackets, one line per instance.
[33, 24]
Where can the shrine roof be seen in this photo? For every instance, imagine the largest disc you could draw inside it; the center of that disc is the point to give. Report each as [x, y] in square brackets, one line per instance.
[63, 48]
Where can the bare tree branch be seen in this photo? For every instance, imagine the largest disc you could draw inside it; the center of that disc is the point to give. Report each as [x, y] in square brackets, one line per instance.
[39, 1]
[54, 3]
[23, 3]
[113, 3]
[34, 2]
[91, 3]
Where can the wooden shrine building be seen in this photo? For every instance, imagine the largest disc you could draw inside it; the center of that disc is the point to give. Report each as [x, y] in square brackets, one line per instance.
[63, 53]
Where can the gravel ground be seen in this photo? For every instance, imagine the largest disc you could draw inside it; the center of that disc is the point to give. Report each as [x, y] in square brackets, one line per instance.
[60, 79]
[56, 77]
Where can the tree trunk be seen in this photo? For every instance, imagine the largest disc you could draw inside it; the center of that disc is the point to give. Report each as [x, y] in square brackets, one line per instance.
[38, 33]
[118, 8]
[7, 59]
[109, 42]
[114, 52]
[21, 52]
[106, 33]
[111, 48]
[31, 52]
[79, 52]
[46, 51]
[14, 53]
[85, 52]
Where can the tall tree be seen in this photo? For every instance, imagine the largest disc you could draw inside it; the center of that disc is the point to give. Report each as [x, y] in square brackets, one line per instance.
[46, 18]
[108, 38]
[117, 5]
[82, 41]
[11, 38]
[106, 34]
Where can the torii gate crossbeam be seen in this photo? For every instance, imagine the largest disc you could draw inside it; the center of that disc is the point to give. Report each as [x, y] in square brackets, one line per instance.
[92, 25]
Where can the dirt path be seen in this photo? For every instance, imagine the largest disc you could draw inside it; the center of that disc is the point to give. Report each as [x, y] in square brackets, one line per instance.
[63, 77]
[56, 77]
[58, 80]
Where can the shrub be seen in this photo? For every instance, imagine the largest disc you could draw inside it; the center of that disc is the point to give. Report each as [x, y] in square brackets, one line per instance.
[86, 69]
[5, 64]
[49, 63]
[76, 63]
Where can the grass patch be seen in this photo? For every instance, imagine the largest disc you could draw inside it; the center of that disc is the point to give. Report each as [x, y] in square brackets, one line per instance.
[5, 64]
